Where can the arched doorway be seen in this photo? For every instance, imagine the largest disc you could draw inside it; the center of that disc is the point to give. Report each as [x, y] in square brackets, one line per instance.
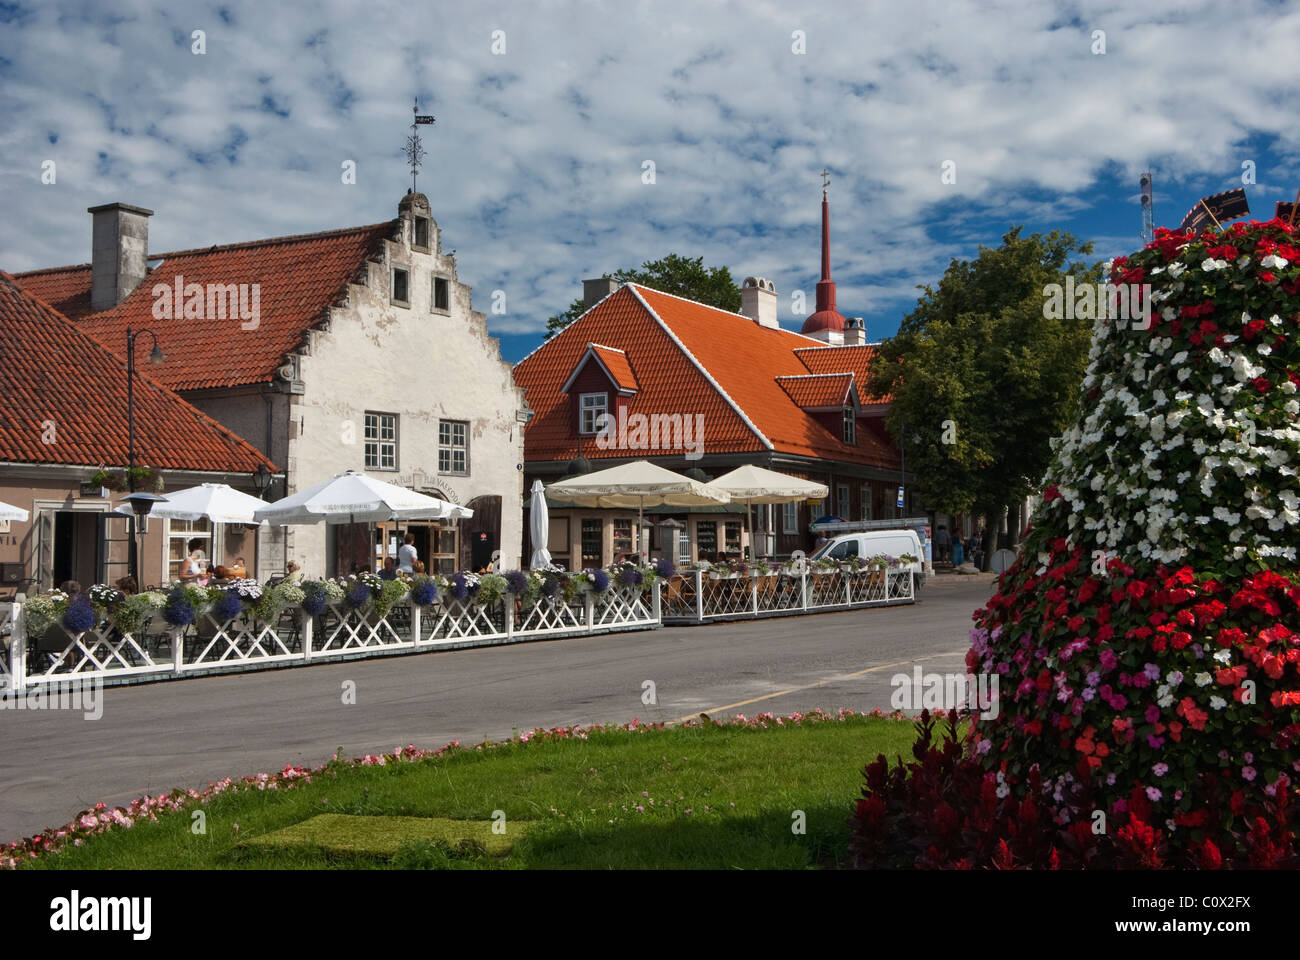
[481, 533]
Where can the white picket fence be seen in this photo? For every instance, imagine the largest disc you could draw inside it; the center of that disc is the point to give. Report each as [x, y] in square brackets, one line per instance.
[159, 651]
[697, 596]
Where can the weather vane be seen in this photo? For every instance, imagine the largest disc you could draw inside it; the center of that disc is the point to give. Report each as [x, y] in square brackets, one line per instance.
[415, 153]
[826, 181]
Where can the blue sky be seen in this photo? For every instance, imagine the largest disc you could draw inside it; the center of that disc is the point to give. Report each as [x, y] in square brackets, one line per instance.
[535, 165]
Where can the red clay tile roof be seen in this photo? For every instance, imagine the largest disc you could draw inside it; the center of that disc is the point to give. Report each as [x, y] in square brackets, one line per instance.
[613, 361]
[818, 391]
[689, 359]
[52, 372]
[857, 360]
[298, 277]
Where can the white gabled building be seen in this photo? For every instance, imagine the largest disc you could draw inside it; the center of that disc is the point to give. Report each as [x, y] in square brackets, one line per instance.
[349, 349]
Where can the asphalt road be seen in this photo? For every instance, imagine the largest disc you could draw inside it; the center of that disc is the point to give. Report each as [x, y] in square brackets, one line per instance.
[186, 733]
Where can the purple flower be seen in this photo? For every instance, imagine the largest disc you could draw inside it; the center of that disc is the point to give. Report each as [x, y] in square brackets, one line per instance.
[664, 567]
[424, 593]
[517, 582]
[459, 588]
[600, 580]
[1248, 773]
[358, 594]
[1153, 794]
[550, 584]
[80, 615]
[1160, 769]
[228, 606]
[313, 599]
[178, 612]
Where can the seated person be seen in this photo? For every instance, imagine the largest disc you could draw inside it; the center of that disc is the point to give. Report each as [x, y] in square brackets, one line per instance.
[390, 569]
[235, 571]
[127, 585]
[417, 568]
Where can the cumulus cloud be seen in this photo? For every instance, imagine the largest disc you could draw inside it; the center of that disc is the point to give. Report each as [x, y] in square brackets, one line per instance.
[535, 165]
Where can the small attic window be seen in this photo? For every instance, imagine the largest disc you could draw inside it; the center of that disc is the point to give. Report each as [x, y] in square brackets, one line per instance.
[850, 431]
[441, 295]
[420, 233]
[401, 294]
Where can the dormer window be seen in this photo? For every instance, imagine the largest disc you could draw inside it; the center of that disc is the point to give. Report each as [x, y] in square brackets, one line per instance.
[420, 232]
[441, 295]
[594, 407]
[850, 427]
[401, 292]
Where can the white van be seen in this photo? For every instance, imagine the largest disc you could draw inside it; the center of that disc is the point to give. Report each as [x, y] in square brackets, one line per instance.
[871, 543]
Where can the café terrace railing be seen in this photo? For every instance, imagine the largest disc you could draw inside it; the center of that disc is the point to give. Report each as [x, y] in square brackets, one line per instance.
[696, 596]
[158, 651]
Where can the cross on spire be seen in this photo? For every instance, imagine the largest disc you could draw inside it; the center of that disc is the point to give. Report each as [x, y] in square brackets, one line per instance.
[826, 181]
[414, 151]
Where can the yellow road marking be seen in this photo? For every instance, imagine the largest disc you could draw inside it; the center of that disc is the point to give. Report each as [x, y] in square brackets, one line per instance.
[809, 686]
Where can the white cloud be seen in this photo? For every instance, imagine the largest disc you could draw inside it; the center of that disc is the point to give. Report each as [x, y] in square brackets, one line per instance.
[534, 167]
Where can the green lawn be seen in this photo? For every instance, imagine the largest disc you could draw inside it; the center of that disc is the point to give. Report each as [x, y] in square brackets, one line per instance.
[687, 797]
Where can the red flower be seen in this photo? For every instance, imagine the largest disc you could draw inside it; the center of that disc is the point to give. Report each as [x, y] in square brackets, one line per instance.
[1261, 384]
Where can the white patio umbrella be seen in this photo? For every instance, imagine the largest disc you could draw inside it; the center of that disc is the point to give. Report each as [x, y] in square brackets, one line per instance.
[218, 502]
[9, 512]
[539, 527]
[638, 484]
[356, 498]
[749, 485]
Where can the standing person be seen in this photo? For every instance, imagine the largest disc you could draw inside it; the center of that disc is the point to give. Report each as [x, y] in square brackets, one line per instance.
[193, 570]
[943, 541]
[407, 554]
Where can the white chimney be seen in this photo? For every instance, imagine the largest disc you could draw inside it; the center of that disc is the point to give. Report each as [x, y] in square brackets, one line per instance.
[758, 301]
[119, 252]
[855, 332]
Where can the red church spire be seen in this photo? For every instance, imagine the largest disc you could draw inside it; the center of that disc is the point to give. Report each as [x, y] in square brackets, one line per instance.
[826, 317]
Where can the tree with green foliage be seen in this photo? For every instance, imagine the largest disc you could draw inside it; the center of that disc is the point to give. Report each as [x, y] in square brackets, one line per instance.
[678, 275]
[982, 379]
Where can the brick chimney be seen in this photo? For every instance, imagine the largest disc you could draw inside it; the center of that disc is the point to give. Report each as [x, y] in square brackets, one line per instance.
[855, 332]
[594, 291]
[119, 252]
[758, 301]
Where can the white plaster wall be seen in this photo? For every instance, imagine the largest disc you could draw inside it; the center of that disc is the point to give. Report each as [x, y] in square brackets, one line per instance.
[423, 366]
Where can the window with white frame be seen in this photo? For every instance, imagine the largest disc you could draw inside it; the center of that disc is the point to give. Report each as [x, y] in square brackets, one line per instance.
[850, 427]
[180, 533]
[453, 446]
[864, 504]
[790, 517]
[594, 407]
[381, 441]
[842, 500]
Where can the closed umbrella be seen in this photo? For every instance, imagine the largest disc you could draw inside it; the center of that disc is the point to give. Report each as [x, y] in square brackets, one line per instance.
[638, 484]
[749, 485]
[539, 526]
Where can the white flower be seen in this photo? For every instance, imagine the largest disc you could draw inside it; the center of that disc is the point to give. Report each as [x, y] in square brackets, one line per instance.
[1209, 265]
[1203, 679]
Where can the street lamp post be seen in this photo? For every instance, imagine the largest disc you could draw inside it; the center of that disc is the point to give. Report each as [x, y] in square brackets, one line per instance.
[139, 507]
